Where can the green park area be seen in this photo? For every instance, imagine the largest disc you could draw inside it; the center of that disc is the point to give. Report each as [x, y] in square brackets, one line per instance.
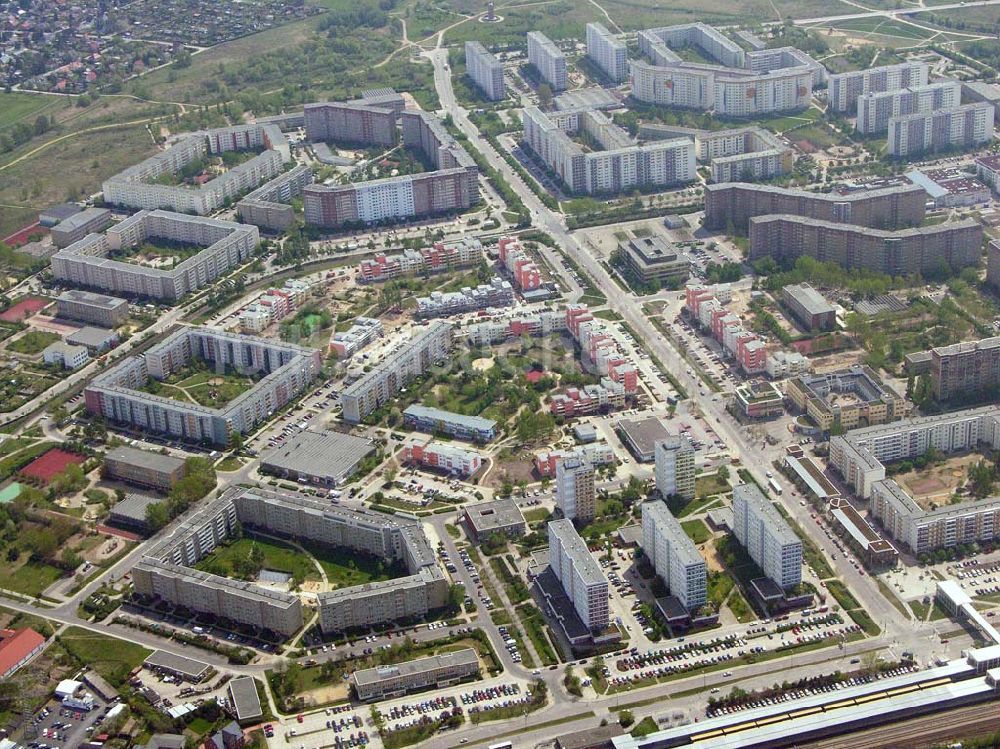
[112, 658]
[33, 342]
[200, 383]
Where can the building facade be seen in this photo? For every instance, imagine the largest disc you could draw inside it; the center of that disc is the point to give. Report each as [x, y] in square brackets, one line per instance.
[86, 306]
[674, 556]
[876, 109]
[768, 539]
[845, 88]
[548, 59]
[675, 467]
[485, 70]
[965, 371]
[580, 576]
[961, 127]
[607, 52]
[144, 468]
[576, 493]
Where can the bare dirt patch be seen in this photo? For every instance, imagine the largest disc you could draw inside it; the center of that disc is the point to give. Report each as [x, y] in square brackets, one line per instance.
[937, 484]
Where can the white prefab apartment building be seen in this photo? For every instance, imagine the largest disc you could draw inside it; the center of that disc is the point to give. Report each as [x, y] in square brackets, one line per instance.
[759, 527]
[965, 127]
[673, 555]
[674, 467]
[579, 574]
[548, 59]
[845, 88]
[607, 51]
[485, 71]
[876, 109]
[409, 359]
[576, 493]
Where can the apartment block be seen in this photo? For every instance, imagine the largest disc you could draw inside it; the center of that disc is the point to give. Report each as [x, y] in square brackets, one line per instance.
[504, 328]
[268, 207]
[576, 493]
[140, 186]
[451, 459]
[675, 467]
[712, 42]
[436, 421]
[383, 682]
[434, 259]
[285, 371]
[897, 253]
[846, 398]
[363, 331]
[988, 170]
[485, 70]
[411, 358]
[876, 109]
[674, 556]
[352, 123]
[965, 371]
[765, 535]
[79, 225]
[962, 127]
[86, 306]
[620, 165]
[607, 52]
[809, 307]
[589, 399]
[886, 208]
[579, 574]
[860, 455]
[495, 294]
[596, 453]
[548, 59]
[144, 468]
[776, 58]
[522, 268]
[87, 263]
[845, 88]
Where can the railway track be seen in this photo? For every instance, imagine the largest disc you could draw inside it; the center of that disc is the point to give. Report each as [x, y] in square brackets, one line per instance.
[925, 731]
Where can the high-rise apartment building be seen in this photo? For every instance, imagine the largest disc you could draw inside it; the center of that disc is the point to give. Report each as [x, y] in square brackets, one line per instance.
[607, 52]
[576, 494]
[765, 535]
[962, 127]
[675, 467]
[673, 555]
[885, 208]
[411, 358]
[845, 88]
[876, 109]
[485, 70]
[548, 59]
[965, 371]
[351, 123]
[579, 574]
[897, 253]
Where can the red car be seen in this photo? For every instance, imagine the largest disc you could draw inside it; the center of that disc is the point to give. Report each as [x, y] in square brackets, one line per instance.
[300, 718]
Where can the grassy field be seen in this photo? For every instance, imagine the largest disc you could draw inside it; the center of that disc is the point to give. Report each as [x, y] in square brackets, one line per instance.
[112, 658]
[697, 530]
[27, 577]
[17, 107]
[345, 568]
[278, 556]
[32, 342]
[709, 484]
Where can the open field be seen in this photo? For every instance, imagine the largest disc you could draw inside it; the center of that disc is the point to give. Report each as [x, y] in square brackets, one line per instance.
[112, 658]
[32, 342]
[27, 577]
[16, 107]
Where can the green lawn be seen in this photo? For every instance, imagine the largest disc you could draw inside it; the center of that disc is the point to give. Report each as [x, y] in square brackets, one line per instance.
[707, 485]
[278, 556]
[740, 608]
[112, 658]
[345, 568]
[32, 342]
[18, 107]
[719, 585]
[697, 530]
[28, 577]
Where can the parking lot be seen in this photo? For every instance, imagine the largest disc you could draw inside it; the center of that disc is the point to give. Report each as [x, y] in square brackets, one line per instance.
[56, 727]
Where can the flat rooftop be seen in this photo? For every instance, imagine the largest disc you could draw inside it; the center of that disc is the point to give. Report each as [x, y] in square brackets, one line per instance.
[244, 698]
[178, 664]
[134, 507]
[331, 455]
[465, 657]
[491, 515]
[146, 459]
[642, 435]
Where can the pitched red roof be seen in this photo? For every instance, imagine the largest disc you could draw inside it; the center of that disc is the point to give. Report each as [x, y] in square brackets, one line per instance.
[15, 646]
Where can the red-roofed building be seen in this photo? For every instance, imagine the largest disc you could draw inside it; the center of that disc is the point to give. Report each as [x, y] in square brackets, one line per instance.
[17, 647]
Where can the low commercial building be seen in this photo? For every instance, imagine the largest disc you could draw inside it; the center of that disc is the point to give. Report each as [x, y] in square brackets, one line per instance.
[132, 512]
[244, 700]
[79, 225]
[809, 476]
[441, 456]
[88, 307]
[758, 400]
[501, 516]
[809, 307]
[169, 664]
[363, 331]
[437, 671]
[860, 534]
[651, 260]
[144, 468]
[846, 398]
[324, 459]
[642, 436]
[65, 355]
[411, 358]
[951, 188]
[96, 340]
[435, 421]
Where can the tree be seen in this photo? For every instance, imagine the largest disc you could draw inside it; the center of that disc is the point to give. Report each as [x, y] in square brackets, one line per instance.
[625, 718]
[157, 516]
[236, 442]
[545, 95]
